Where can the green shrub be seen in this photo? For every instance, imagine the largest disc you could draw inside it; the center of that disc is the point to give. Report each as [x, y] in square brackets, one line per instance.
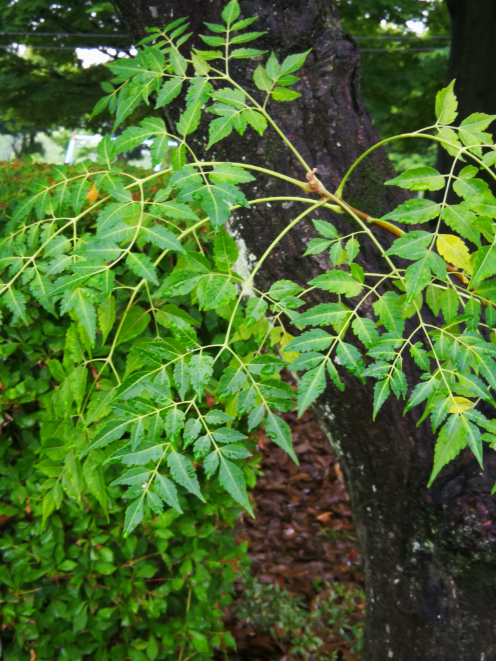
[72, 587]
[303, 631]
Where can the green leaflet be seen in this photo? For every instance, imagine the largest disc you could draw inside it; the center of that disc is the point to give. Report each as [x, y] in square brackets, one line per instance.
[216, 417]
[324, 314]
[450, 442]
[468, 188]
[106, 317]
[167, 491]
[232, 479]
[143, 457]
[93, 477]
[225, 250]
[283, 288]
[182, 378]
[420, 356]
[462, 220]
[189, 120]
[15, 302]
[135, 476]
[446, 105]
[162, 238]
[134, 323]
[390, 313]
[230, 12]
[214, 291]
[314, 340]
[192, 430]
[292, 63]
[110, 432]
[231, 381]
[222, 126]
[411, 245]
[449, 303]
[133, 385]
[183, 473]
[350, 357]
[312, 384]
[420, 392]
[134, 516]
[235, 451]
[255, 310]
[174, 422]
[200, 370]
[422, 178]
[337, 282]
[143, 266]
[365, 330]
[306, 361]
[225, 173]
[484, 265]
[418, 276]
[227, 435]
[381, 393]
[317, 246]
[279, 432]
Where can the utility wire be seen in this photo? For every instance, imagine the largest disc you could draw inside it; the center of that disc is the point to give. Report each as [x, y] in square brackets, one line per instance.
[123, 36]
[64, 34]
[113, 35]
[398, 50]
[401, 37]
[118, 48]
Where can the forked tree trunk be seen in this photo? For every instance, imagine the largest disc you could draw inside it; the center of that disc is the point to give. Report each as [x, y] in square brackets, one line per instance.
[430, 554]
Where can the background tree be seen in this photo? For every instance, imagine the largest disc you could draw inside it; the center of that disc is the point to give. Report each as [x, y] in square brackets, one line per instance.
[429, 553]
[414, 62]
[46, 87]
[35, 80]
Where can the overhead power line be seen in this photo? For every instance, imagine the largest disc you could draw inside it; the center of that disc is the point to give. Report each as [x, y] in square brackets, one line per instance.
[113, 35]
[401, 37]
[397, 38]
[63, 34]
[362, 50]
[62, 47]
[398, 50]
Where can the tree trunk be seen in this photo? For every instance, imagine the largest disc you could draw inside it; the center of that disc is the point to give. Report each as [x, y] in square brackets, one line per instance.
[472, 61]
[429, 554]
[473, 56]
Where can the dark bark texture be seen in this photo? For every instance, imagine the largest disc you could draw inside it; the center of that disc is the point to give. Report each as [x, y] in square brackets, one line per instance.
[472, 60]
[430, 554]
[473, 56]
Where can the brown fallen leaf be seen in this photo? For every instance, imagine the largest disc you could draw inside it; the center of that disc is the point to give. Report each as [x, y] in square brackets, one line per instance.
[324, 517]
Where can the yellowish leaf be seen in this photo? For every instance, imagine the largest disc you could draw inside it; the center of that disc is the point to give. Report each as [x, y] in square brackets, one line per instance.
[454, 251]
[92, 194]
[461, 404]
[284, 340]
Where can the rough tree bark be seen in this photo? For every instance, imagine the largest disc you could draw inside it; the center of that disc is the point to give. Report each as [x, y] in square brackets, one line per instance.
[429, 553]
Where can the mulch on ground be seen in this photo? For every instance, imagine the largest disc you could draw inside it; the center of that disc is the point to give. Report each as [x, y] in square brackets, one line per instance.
[302, 532]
